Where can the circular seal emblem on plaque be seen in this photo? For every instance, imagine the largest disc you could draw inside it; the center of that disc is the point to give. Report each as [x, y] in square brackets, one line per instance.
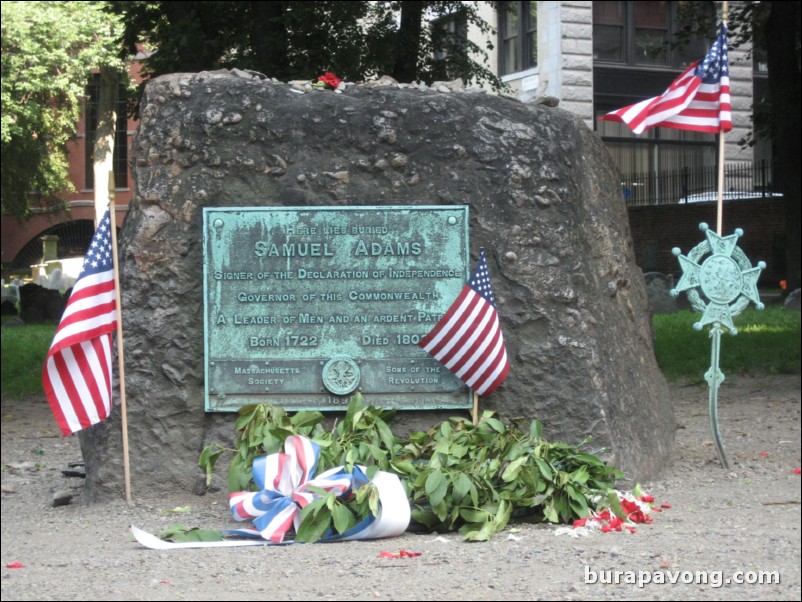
[341, 375]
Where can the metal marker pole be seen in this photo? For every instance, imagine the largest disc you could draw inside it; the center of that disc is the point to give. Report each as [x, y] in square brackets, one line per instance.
[714, 377]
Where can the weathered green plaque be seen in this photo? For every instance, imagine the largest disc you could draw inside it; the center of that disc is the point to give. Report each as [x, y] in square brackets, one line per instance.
[303, 307]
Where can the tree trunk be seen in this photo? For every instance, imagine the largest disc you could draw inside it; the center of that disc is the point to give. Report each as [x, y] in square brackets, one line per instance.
[782, 36]
[408, 47]
[268, 34]
[104, 138]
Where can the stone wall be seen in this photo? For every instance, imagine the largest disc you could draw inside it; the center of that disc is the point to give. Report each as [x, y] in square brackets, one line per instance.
[544, 201]
[658, 229]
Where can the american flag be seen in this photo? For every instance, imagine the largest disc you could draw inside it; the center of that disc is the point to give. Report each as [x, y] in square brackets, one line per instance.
[697, 100]
[467, 340]
[77, 372]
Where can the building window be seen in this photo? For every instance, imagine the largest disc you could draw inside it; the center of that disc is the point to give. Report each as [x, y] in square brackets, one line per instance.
[517, 36]
[661, 165]
[449, 46]
[641, 34]
[120, 136]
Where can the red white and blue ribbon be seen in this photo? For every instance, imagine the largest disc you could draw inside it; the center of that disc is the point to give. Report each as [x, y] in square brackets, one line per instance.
[286, 483]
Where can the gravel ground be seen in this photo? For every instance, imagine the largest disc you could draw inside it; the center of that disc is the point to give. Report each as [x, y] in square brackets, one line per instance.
[724, 526]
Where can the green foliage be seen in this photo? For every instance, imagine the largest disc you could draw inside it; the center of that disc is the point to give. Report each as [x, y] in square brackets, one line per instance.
[302, 40]
[48, 52]
[361, 437]
[457, 475]
[768, 342]
[473, 477]
[330, 514]
[24, 349]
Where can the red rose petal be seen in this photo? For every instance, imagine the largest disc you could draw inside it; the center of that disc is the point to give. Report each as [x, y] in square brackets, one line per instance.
[15, 565]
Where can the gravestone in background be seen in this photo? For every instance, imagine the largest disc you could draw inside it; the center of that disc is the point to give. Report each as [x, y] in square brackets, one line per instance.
[544, 200]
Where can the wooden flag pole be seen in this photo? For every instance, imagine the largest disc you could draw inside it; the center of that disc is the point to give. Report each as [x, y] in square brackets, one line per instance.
[475, 411]
[725, 9]
[120, 357]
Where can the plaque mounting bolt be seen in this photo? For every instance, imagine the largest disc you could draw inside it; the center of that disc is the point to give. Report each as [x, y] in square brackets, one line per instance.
[452, 220]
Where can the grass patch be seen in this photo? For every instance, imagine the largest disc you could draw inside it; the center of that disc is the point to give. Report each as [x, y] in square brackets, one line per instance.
[768, 342]
[24, 349]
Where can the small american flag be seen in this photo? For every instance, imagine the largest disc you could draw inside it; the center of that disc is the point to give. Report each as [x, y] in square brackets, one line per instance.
[467, 340]
[697, 100]
[77, 374]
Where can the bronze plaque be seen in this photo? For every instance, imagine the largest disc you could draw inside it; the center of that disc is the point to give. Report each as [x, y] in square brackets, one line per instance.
[304, 306]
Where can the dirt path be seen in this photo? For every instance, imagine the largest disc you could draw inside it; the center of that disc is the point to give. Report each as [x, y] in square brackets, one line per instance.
[731, 525]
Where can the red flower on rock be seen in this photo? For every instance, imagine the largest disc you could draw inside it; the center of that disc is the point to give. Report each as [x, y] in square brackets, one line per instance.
[330, 80]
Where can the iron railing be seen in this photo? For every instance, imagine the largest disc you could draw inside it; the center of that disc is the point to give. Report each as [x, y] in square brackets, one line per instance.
[699, 184]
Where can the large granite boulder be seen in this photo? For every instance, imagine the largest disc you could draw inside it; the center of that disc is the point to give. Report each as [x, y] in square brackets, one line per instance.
[544, 201]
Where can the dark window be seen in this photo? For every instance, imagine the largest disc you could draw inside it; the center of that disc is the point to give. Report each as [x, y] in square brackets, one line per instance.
[120, 136]
[517, 36]
[449, 38]
[661, 165]
[641, 34]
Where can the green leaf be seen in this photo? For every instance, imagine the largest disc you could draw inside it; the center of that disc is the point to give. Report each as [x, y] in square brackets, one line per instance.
[178, 510]
[483, 533]
[386, 435]
[315, 521]
[513, 469]
[579, 503]
[615, 504]
[374, 500]
[458, 450]
[589, 459]
[424, 516]
[545, 469]
[461, 486]
[183, 534]
[208, 459]
[246, 414]
[306, 419]
[550, 514]
[343, 518]
[436, 487]
[240, 473]
[271, 443]
[496, 425]
[503, 515]
[403, 468]
[580, 475]
[472, 515]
